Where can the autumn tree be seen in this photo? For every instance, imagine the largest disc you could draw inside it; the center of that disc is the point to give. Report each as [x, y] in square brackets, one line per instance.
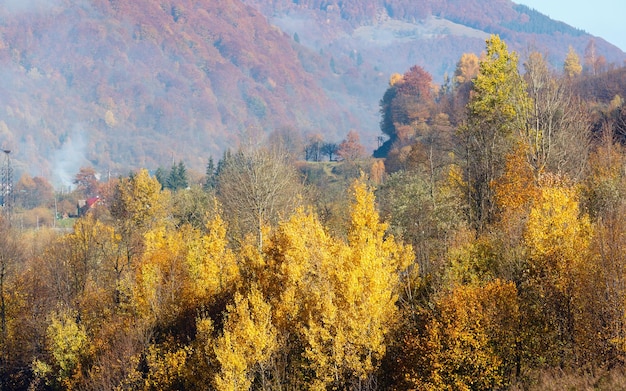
[86, 182]
[557, 135]
[31, 192]
[137, 206]
[334, 302]
[405, 107]
[160, 275]
[256, 186]
[557, 239]
[138, 200]
[571, 66]
[247, 344]
[67, 344]
[496, 111]
[350, 148]
[347, 337]
[468, 344]
[466, 68]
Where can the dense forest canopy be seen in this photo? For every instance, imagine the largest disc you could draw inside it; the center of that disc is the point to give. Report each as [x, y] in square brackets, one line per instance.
[483, 248]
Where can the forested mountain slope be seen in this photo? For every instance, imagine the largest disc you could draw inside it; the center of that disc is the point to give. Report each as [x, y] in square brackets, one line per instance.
[116, 85]
[126, 84]
[395, 34]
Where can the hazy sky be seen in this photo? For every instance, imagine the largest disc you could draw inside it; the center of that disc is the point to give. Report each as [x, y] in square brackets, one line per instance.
[602, 18]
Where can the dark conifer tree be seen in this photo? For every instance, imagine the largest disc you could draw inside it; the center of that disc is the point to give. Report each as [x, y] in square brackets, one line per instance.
[178, 177]
[211, 175]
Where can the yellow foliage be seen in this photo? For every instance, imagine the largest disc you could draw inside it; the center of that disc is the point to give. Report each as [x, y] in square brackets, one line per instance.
[166, 367]
[68, 344]
[466, 68]
[572, 66]
[300, 255]
[339, 297]
[498, 94]
[472, 260]
[556, 233]
[161, 275]
[471, 343]
[138, 200]
[183, 269]
[559, 269]
[212, 267]
[515, 190]
[247, 344]
[346, 335]
[395, 79]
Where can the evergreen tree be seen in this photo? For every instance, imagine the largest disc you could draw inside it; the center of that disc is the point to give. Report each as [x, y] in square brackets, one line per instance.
[161, 176]
[177, 179]
[211, 175]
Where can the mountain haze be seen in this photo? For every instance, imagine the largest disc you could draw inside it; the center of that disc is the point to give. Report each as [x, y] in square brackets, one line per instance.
[120, 84]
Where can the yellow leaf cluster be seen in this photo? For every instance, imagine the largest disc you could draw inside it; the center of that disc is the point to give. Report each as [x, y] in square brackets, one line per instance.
[247, 343]
[472, 341]
[556, 232]
[68, 344]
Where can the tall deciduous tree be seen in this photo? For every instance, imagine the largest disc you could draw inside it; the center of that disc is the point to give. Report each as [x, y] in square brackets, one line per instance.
[138, 205]
[138, 200]
[347, 336]
[557, 240]
[405, 107]
[256, 186]
[497, 109]
[557, 136]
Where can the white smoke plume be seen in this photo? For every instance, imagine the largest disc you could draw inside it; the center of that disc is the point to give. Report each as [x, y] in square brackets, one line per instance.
[69, 158]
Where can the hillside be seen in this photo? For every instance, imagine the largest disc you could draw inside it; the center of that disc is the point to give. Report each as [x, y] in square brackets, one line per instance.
[393, 35]
[119, 85]
[126, 84]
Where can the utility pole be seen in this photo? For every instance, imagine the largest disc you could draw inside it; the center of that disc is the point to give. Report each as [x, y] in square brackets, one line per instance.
[6, 188]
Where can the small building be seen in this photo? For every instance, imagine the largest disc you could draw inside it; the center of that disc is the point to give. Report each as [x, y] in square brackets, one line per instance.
[84, 206]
